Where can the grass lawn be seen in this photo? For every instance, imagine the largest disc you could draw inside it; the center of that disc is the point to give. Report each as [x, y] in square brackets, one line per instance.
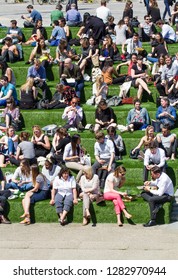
[43, 212]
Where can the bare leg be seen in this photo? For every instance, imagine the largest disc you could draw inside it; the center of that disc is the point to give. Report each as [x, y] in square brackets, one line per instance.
[2, 164]
[139, 81]
[120, 224]
[139, 92]
[127, 215]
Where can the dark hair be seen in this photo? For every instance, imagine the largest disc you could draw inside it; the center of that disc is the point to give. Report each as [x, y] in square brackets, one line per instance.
[4, 78]
[29, 7]
[137, 100]
[111, 129]
[153, 145]
[166, 126]
[4, 66]
[63, 20]
[13, 21]
[56, 22]
[156, 170]
[139, 57]
[24, 136]
[64, 170]
[75, 147]
[11, 101]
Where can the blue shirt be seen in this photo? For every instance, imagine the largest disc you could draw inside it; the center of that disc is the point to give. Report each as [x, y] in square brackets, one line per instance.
[35, 15]
[73, 15]
[58, 33]
[40, 72]
[5, 90]
[166, 119]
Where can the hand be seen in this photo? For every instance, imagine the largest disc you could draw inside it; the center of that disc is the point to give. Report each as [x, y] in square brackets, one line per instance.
[146, 183]
[40, 143]
[109, 168]
[52, 202]
[63, 76]
[101, 161]
[75, 201]
[147, 188]
[124, 194]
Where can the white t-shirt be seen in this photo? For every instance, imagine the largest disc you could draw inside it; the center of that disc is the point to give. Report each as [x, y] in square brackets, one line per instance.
[114, 180]
[104, 150]
[64, 187]
[103, 13]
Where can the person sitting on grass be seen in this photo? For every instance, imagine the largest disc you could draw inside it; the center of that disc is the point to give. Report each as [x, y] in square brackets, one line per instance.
[11, 113]
[154, 156]
[22, 178]
[139, 77]
[9, 51]
[167, 141]
[50, 170]
[100, 89]
[28, 94]
[115, 180]
[41, 142]
[9, 144]
[165, 113]
[145, 141]
[138, 117]
[74, 115]
[104, 157]
[162, 192]
[39, 192]
[64, 194]
[7, 91]
[4, 194]
[104, 116]
[90, 191]
[117, 141]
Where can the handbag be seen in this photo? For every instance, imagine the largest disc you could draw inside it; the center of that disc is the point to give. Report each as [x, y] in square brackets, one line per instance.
[135, 154]
[128, 100]
[95, 60]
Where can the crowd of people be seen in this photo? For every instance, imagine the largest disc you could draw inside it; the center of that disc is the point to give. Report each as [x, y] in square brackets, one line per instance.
[103, 44]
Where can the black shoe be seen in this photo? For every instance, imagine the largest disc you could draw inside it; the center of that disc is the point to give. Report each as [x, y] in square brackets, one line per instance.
[157, 208]
[27, 62]
[151, 223]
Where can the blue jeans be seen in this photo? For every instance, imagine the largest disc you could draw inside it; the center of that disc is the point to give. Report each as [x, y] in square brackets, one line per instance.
[167, 9]
[3, 102]
[23, 188]
[11, 148]
[152, 59]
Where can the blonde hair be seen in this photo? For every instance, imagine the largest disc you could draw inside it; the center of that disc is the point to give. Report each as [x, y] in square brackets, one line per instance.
[28, 85]
[89, 171]
[38, 128]
[147, 131]
[99, 81]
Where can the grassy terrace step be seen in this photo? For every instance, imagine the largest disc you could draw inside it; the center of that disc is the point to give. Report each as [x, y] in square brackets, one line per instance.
[43, 212]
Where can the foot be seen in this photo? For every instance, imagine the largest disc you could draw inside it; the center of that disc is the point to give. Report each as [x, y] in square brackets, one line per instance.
[120, 224]
[151, 223]
[172, 157]
[128, 216]
[85, 221]
[3, 220]
[23, 216]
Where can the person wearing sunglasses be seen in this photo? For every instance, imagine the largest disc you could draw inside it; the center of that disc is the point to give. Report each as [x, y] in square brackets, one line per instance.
[146, 29]
[115, 181]
[74, 115]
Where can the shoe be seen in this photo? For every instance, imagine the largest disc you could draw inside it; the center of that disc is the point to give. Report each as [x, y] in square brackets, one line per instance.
[80, 127]
[27, 62]
[22, 195]
[85, 221]
[13, 196]
[151, 223]
[3, 220]
[26, 221]
[16, 192]
[157, 208]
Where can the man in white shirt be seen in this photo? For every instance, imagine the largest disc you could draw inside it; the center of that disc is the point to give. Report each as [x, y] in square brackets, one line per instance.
[168, 32]
[103, 12]
[154, 156]
[157, 192]
[105, 157]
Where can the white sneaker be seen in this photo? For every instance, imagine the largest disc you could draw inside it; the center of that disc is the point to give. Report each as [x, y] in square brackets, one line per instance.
[13, 196]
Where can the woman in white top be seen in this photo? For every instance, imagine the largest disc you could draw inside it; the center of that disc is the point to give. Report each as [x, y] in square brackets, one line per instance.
[115, 180]
[120, 30]
[63, 194]
[50, 170]
[22, 178]
[89, 184]
[74, 155]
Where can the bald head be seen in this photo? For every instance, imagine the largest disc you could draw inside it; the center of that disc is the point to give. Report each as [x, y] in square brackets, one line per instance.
[68, 62]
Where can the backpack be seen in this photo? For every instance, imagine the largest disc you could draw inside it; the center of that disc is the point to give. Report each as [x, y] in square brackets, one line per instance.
[135, 154]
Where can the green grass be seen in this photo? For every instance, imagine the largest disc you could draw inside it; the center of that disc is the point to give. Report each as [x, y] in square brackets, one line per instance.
[43, 212]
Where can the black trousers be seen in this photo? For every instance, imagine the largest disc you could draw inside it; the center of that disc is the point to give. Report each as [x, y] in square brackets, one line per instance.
[154, 200]
[3, 198]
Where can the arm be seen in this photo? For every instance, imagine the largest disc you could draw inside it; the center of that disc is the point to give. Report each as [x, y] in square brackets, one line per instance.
[45, 145]
[53, 193]
[9, 94]
[111, 161]
[17, 153]
[9, 74]
[111, 187]
[140, 144]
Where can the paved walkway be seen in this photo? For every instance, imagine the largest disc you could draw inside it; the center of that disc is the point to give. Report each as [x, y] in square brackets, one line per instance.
[75, 242]
[14, 11]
